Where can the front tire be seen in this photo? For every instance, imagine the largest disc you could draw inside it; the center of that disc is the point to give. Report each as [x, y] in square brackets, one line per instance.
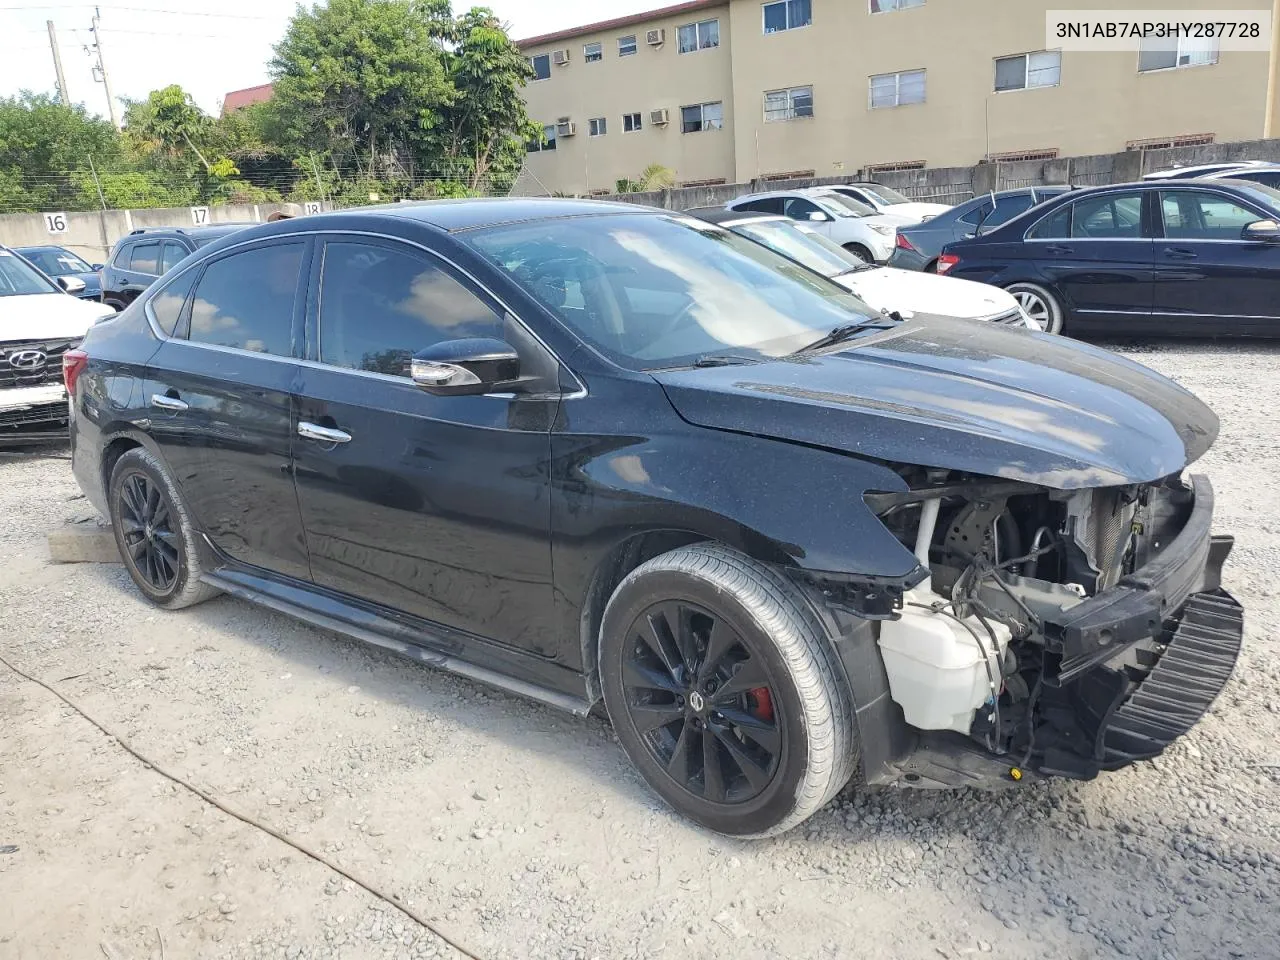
[725, 691]
[1040, 305]
[861, 252]
[154, 532]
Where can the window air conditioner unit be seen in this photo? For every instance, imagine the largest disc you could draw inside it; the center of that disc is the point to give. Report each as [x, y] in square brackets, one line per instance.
[561, 57]
[659, 117]
[566, 127]
[655, 38]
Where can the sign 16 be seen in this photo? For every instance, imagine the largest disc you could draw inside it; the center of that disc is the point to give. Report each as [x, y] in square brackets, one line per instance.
[55, 222]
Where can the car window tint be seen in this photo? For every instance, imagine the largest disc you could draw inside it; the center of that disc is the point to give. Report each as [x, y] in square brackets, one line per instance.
[1007, 208]
[1270, 178]
[170, 255]
[121, 259]
[166, 306]
[145, 258]
[977, 214]
[1112, 216]
[798, 208]
[246, 300]
[1056, 226]
[1192, 215]
[380, 306]
[764, 205]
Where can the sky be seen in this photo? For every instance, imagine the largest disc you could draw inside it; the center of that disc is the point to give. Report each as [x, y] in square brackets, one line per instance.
[207, 48]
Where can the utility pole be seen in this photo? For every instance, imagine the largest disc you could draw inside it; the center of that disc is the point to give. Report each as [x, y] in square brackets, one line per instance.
[63, 97]
[100, 68]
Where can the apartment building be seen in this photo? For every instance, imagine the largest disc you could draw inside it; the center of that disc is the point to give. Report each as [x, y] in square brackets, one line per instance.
[731, 90]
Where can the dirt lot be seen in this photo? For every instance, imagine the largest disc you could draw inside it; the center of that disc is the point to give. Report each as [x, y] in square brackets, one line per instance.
[524, 833]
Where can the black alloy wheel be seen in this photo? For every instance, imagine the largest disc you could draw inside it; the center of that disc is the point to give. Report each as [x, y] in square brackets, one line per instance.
[147, 529]
[703, 702]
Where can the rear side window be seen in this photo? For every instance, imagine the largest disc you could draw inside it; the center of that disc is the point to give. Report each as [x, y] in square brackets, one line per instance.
[379, 306]
[1007, 208]
[246, 300]
[146, 258]
[166, 306]
[121, 259]
[1113, 216]
[1056, 226]
[170, 255]
[977, 214]
[765, 205]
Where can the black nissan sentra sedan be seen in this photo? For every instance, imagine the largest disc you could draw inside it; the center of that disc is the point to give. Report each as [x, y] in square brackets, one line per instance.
[585, 451]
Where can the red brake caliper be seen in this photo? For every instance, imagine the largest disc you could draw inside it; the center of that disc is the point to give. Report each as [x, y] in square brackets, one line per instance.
[760, 704]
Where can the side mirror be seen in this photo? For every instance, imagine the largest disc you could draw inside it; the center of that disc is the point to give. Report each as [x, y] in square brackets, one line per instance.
[816, 216]
[1262, 231]
[465, 367]
[96, 266]
[72, 285]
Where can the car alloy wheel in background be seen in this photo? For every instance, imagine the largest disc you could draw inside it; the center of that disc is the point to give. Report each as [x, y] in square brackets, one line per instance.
[1039, 304]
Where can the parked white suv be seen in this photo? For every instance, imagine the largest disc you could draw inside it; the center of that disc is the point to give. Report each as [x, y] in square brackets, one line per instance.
[886, 200]
[39, 322]
[870, 236]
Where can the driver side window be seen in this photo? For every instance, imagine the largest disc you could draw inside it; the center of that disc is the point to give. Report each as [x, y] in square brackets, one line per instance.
[380, 305]
[798, 208]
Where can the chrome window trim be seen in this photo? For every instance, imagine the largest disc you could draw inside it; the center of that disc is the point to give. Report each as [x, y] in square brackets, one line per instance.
[314, 233]
[155, 292]
[1147, 187]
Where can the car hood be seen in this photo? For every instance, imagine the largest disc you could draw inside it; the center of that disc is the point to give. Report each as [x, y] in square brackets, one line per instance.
[964, 396]
[47, 316]
[888, 288]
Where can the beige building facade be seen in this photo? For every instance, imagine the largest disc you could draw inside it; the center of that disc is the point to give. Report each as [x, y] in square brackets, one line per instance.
[733, 90]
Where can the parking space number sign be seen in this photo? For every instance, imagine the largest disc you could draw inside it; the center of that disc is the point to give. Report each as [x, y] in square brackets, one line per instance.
[312, 206]
[199, 216]
[55, 222]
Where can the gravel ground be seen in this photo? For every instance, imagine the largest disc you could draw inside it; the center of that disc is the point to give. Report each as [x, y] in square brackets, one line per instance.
[525, 833]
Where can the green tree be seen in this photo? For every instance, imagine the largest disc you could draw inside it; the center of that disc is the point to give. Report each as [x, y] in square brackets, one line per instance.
[44, 146]
[362, 81]
[485, 124]
[169, 122]
[654, 177]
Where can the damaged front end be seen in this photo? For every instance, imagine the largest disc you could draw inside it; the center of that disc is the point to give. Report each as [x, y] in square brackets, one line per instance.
[1055, 632]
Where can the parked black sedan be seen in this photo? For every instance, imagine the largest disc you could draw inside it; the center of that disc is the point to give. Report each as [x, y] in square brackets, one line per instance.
[1186, 257]
[919, 245]
[591, 451]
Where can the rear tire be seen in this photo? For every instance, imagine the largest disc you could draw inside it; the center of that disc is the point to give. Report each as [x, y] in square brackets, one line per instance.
[1040, 305]
[725, 691]
[154, 532]
[931, 266]
[861, 252]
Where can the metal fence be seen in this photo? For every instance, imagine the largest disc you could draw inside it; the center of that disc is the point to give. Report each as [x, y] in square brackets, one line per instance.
[950, 193]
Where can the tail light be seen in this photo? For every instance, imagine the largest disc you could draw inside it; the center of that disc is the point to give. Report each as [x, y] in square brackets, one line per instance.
[73, 364]
[947, 261]
[902, 243]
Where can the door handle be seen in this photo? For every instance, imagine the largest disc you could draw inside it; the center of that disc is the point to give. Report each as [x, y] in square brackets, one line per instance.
[162, 402]
[1179, 253]
[313, 431]
[1057, 248]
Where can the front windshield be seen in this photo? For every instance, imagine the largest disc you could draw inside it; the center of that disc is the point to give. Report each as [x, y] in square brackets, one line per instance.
[58, 263]
[1269, 196]
[651, 292]
[838, 205]
[887, 194]
[801, 246]
[18, 278]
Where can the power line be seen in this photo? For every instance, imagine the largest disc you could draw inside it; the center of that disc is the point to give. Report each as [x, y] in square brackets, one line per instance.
[176, 13]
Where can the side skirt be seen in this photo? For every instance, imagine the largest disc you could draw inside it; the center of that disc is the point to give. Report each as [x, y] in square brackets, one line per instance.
[428, 643]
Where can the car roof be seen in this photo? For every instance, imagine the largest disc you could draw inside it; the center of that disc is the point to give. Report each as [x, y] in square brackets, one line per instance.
[37, 248]
[724, 216]
[477, 212]
[208, 230]
[796, 191]
[1180, 173]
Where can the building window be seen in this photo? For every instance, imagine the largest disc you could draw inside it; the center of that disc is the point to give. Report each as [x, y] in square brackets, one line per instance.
[787, 15]
[892, 167]
[1029, 70]
[1168, 53]
[546, 142]
[1013, 156]
[1163, 143]
[788, 175]
[630, 122]
[788, 104]
[699, 36]
[596, 127]
[888, 6]
[702, 116]
[713, 182]
[897, 89]
[541, 66]
[592, 52]
[626, 45]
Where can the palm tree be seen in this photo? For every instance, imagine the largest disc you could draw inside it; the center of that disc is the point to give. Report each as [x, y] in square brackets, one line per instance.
[654, 177]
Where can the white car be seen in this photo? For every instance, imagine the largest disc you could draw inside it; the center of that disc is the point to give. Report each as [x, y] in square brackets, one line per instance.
[886, 289]
[1224, 168]
[886, 200]
[847, 223]
[39, 322]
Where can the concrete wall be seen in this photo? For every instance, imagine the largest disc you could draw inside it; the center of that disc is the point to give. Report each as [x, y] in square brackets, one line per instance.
[91, 235]
[956, 184]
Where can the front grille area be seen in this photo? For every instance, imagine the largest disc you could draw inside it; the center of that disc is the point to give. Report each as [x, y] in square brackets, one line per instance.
[1012, 318]
[47, 418]
[32, 363]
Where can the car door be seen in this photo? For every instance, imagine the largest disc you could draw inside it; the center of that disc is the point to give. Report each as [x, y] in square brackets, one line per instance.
[140, 270]
[1208, 278]
[220, 391]
[1097, 254]
[438, 506]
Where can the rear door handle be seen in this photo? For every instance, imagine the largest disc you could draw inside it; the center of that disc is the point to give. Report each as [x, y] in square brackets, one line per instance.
[1057, 248]
[162, 402]
[1179, 253]
[313, 431]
